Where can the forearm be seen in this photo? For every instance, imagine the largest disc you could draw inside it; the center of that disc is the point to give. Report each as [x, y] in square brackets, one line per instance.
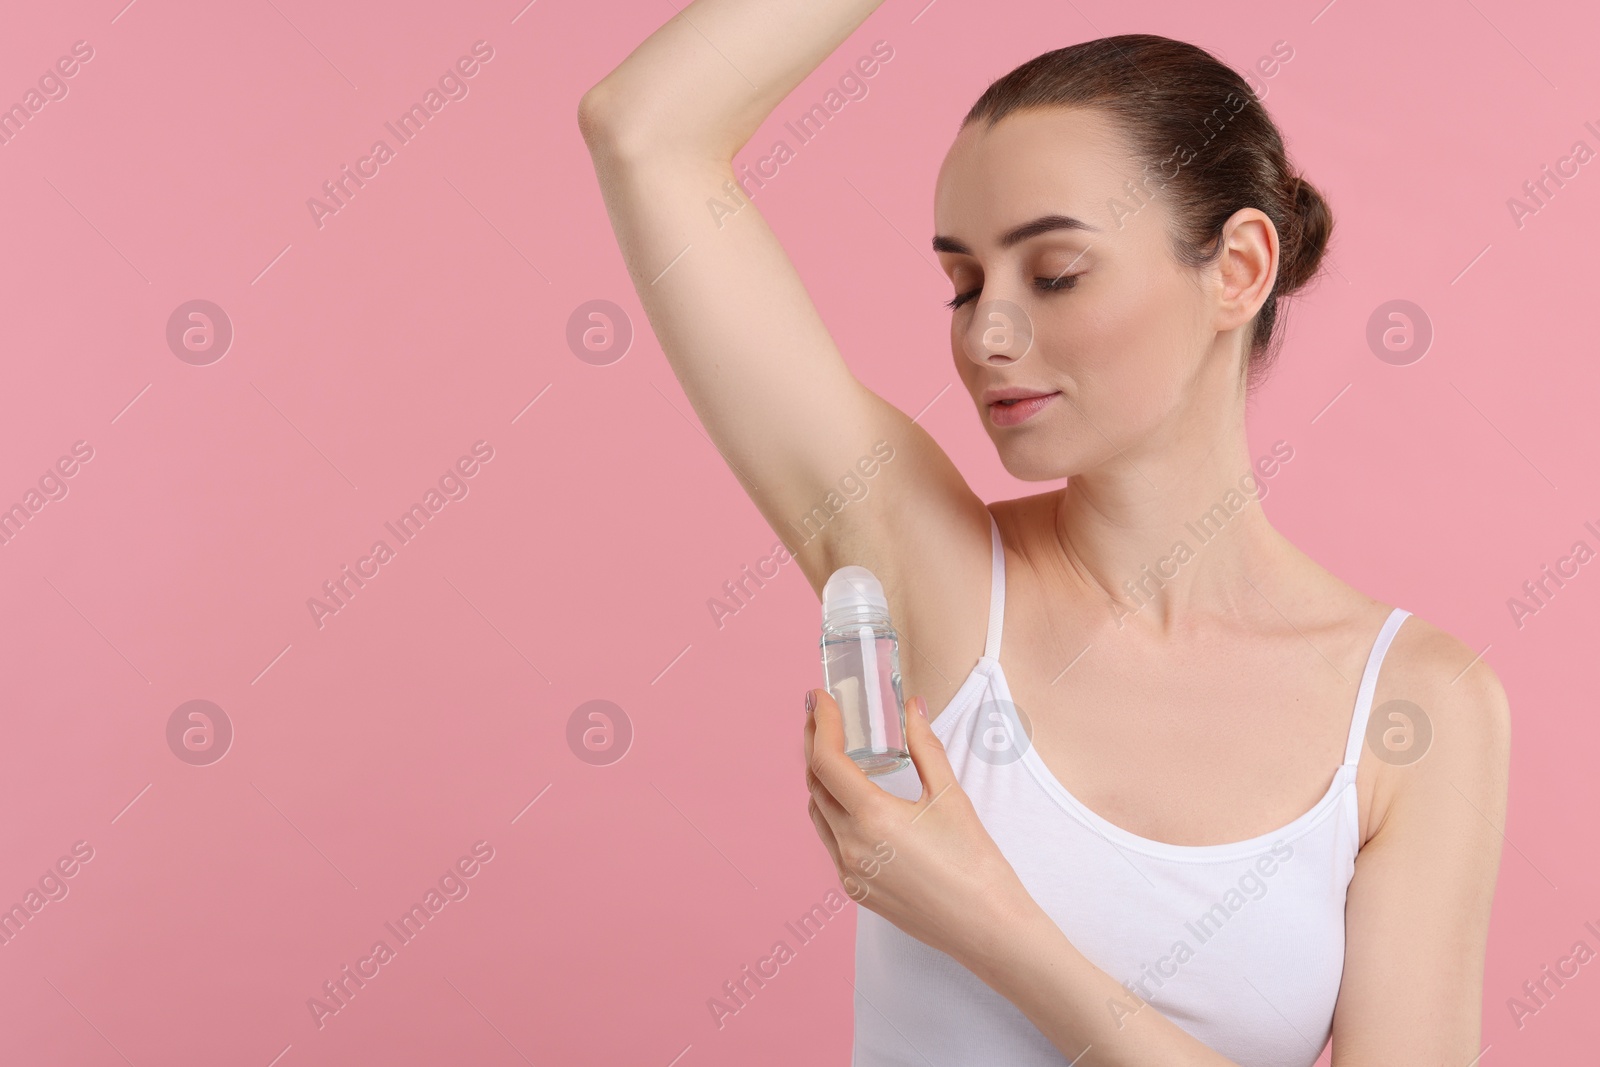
[1078, 1006]
[711, 75]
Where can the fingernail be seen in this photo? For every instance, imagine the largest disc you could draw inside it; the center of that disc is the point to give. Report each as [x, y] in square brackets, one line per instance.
[922, 706]
[811, 701]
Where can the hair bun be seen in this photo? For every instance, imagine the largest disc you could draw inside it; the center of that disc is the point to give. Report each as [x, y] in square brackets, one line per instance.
[1313, 226]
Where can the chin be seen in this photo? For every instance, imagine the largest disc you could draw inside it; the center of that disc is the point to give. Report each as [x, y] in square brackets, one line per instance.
[1036, 461]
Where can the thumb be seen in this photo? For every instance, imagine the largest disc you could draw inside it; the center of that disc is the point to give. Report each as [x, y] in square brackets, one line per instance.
[926, 750]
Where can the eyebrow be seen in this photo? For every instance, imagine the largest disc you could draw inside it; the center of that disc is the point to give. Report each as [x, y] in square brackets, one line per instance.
[1042, 224]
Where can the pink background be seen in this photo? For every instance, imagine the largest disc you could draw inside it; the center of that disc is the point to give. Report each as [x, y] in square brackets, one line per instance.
[370, 353]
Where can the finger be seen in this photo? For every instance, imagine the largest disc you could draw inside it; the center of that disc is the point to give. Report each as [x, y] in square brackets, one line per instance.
[848, 784]
[832, 810]
[809, 734]
[824, 831]
[853, 887]
[927, 751]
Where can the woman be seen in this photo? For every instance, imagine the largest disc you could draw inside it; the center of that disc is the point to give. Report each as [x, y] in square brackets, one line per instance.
[1169, 824]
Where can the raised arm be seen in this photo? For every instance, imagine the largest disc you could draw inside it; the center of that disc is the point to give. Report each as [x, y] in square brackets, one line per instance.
[733, 318]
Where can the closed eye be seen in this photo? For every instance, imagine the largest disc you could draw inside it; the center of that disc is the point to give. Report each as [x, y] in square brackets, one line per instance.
[1048, 285]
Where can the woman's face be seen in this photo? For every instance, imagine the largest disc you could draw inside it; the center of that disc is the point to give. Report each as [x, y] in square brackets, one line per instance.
[1121, 333]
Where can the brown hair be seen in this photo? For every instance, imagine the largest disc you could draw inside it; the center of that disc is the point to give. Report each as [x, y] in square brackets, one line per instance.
[1179, 105]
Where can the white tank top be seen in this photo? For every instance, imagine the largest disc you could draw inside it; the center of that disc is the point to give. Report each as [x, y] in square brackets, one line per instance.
[1240, 944]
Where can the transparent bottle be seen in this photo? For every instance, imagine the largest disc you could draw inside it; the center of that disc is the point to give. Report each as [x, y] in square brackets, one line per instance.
[861, 669]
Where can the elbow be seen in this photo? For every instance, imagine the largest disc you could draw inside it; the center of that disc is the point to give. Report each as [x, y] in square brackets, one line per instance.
[594, 113]
[624, 124]
[602, 122]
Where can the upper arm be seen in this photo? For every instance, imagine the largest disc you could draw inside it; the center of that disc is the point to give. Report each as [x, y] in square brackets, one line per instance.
[798, 430]
[1417, 910]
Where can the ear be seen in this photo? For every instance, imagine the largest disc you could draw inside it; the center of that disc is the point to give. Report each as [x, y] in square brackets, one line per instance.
[1247, 268]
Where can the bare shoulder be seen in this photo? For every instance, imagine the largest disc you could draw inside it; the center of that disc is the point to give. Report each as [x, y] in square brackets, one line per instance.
[1443, 727]
[1451, 683]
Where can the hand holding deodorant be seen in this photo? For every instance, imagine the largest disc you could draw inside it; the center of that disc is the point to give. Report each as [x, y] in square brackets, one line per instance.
[861, 668]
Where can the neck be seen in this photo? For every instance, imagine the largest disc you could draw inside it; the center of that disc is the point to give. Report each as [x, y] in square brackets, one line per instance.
[1175, 530]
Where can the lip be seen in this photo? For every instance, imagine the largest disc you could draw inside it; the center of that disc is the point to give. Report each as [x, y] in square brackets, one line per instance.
[1029, 402]
[1013, 392]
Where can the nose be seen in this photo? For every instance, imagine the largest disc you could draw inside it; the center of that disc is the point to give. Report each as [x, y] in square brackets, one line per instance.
[999, 333]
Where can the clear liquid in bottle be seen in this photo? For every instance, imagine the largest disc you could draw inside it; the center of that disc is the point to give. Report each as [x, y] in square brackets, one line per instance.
[861, 669]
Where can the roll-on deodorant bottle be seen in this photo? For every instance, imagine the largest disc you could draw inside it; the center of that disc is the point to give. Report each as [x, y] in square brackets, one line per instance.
[861, 668]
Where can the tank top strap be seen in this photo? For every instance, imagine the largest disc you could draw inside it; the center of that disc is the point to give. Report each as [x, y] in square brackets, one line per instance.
[1369, 684]
[997, 591]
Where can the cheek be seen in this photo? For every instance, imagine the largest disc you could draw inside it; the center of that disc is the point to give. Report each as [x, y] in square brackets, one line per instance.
[1139, 329]
[1127, 354]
